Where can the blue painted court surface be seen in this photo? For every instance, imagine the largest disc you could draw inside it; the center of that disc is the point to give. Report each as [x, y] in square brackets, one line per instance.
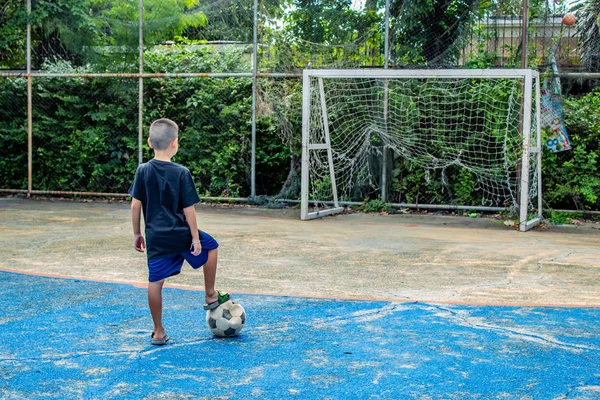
[65, 338]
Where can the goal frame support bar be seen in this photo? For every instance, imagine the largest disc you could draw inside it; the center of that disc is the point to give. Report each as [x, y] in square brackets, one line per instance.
[527, 75]
[420, 73]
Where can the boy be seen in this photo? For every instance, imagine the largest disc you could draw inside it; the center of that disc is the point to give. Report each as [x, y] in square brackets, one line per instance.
[166, 192]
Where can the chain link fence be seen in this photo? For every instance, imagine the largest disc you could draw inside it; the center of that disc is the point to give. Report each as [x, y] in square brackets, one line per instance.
[214, 117]
[229, 73]
[13, 133]
[84, 134]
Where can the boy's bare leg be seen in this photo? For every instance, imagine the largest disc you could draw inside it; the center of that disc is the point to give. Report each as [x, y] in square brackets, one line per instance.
[210, 274]
[155, 303]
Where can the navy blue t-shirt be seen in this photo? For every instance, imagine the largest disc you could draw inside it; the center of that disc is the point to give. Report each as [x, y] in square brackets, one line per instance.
[165, 189]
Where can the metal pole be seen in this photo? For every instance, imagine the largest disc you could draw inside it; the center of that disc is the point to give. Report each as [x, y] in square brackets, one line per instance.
[525, 165]
[524, 29]
[29, 107]
[384, 175]
[141, 84]
[254, 89]
[331, 73]
[539, 144]
[9, 74]
[328, 141]
[386, 54]
[305, 145]
[386, 45]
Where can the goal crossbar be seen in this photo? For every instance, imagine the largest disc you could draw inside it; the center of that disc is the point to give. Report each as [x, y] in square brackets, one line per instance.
[420, 73]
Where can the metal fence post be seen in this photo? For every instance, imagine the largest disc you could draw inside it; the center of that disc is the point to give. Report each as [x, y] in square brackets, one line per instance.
[386, 45]
[524, 29]
[254, 90]
[386, 52]
[29, 106]
[141, 85]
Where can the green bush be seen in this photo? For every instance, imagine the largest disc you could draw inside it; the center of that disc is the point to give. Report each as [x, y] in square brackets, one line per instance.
[85, 131]
[561, 218]
[572, 178]
[85, 136]
[376, 205]
[13, 133]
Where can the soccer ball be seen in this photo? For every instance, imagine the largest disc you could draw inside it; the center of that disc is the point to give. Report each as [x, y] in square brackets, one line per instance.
[226, 320]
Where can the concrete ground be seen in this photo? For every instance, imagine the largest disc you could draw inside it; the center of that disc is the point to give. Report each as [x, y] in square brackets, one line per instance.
[403, 257]
[352, 306]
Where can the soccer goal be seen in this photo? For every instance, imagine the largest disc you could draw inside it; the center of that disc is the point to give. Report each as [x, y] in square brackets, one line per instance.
[439, 139]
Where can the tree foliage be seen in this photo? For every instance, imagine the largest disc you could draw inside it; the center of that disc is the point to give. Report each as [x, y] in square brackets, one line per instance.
[13, 24]
[85, 130]
[429, 32]
[90, 31]
[572, 178]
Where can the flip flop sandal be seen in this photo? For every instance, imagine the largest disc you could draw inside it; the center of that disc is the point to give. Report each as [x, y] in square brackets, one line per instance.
[222, 298]
[160, 342]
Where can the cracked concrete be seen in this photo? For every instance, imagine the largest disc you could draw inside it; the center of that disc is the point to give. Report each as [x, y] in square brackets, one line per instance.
[444, 259]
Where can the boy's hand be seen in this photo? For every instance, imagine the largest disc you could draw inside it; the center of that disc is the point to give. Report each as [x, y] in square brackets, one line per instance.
[139, 243]
[196, 248]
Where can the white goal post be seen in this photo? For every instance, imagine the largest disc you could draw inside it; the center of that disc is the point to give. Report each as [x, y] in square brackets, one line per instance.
[470, 133]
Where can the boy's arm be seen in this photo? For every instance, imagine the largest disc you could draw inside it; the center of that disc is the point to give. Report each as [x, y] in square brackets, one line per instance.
[136, 212]
[190, 217]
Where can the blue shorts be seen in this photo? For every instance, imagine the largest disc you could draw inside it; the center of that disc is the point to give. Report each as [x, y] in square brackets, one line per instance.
[162, 268]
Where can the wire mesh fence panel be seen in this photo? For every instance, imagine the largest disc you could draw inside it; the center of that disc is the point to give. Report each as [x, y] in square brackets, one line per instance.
[214, 117]
[318, 34]
[571, 179]
[205, 36]
[225, 22]
[13, 133]
[84, 134]
[432, 33]
[279, 137]
[588, 30]
[13, 35]
[551, 40]
[102, 35]
[495, 35]
[198, 58]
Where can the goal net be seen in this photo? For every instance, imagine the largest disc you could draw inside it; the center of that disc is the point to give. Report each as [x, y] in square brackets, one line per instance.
[439, 139]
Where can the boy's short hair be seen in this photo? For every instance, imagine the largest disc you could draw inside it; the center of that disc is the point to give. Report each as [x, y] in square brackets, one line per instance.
[162, 132]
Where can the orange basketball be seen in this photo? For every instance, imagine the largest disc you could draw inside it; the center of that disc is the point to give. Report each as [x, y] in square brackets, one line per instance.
[569, 19]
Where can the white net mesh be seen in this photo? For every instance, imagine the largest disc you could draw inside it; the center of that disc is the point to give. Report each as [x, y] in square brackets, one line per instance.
[460, 136]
